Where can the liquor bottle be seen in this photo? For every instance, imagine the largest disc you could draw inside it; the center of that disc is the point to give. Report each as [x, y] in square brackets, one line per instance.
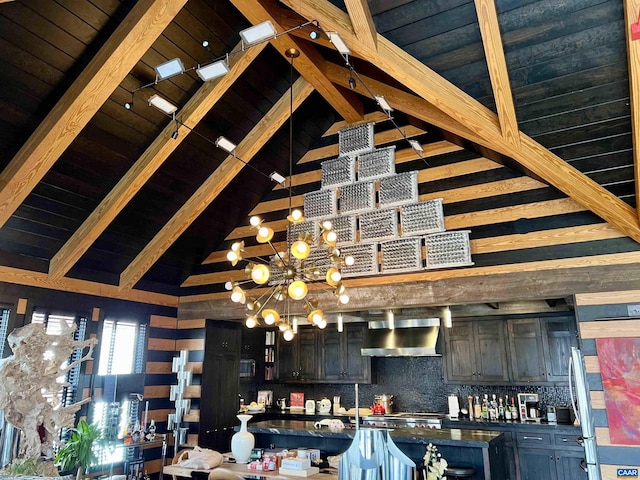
[507, 408]
[500, 409]
[515, 414]
[485, 407]
[493, 408]
[477, 409]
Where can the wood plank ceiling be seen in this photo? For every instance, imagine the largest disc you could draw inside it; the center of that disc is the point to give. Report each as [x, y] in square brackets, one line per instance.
[523, 108]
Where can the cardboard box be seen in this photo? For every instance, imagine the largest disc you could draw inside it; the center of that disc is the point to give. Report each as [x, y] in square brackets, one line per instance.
[295, 463]
[299, 473]
[296, 400]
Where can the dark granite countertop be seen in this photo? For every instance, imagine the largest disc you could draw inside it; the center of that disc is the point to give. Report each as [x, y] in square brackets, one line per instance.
[446, 436]
[508, 425]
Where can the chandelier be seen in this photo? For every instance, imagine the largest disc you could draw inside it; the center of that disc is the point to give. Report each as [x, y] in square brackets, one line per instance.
[287, 274]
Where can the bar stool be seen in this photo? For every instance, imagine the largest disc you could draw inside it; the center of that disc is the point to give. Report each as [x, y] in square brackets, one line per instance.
[458, 473]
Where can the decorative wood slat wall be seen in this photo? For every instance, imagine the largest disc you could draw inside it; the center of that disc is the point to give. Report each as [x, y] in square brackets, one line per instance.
[511, 216]
[601, 315]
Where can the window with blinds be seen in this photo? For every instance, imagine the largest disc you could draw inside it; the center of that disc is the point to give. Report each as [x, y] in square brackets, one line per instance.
[122, 347]
[4, 326]
[53, 325]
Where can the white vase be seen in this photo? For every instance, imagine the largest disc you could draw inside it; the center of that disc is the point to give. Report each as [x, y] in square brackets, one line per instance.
[243, 441]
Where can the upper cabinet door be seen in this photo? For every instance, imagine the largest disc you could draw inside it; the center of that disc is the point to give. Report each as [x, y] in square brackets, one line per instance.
[526, 350]
[559, 335]
[357, 368]
[491, 359]
[460, 354]
[333, 355]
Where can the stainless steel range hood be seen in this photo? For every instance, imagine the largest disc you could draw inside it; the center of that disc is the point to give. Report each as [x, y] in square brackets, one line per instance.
[408, 338]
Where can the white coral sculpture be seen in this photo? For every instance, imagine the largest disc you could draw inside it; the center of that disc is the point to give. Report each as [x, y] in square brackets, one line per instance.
[30, 387]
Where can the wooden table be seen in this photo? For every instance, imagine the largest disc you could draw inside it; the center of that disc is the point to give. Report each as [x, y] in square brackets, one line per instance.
[241, 469]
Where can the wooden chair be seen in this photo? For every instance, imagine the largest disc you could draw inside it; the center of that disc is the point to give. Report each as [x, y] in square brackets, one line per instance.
[181, 455]
[224, 474]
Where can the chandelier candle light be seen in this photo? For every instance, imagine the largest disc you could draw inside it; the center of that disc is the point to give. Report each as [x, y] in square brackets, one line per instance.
[288, 273]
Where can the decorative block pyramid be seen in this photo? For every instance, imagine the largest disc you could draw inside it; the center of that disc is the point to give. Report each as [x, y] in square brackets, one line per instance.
[377, 213]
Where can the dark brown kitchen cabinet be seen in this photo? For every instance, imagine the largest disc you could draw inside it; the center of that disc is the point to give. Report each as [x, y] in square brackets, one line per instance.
[476, 352]
[324, 356]
[526, 351]
[341, 357]
[515, 350]
[539, 458]
[559, 335]
[297, 360]
[540, 348]
[220, 384]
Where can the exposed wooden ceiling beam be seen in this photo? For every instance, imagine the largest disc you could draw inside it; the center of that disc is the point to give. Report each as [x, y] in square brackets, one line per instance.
[362, 22]
[494, 53]
[563, 276]
[473, 116]
[373, 117]
[631, 8]
[212, 187]
[153, 157]
[42, 280]
[346, 103]
[104, 73]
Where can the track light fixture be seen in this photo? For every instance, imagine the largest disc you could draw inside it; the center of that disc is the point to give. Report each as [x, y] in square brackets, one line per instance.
[162, 104]
[169, 69]
[225, 144]
[352, 82]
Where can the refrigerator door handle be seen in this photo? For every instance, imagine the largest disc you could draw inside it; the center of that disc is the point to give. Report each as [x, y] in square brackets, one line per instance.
[574, 404]
[583, 464]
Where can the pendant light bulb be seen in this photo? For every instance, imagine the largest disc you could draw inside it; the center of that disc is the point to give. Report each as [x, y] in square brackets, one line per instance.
[270, 316]
[287, 335]
[333, 276]
[251, 321]
[343, 299]
[296, 216]
[260, 274]
[237, 295]
[265, 234]
[298, 290]
[255, 221]
[300, 249]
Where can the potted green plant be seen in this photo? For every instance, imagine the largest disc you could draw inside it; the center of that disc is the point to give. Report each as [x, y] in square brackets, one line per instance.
[78, 451]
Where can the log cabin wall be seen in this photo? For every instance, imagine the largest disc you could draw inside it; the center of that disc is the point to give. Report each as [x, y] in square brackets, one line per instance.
[162, 321]
[605, 315]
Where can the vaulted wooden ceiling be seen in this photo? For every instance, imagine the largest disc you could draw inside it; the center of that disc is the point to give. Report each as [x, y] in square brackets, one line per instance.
[524, 109]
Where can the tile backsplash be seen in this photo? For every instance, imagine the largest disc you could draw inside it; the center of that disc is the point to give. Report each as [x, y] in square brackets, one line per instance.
[417, 384]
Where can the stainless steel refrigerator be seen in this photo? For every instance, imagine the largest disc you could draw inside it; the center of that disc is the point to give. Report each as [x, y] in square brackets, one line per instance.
[582, 409]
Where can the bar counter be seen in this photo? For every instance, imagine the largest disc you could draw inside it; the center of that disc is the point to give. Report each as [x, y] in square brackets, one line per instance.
[481, 449]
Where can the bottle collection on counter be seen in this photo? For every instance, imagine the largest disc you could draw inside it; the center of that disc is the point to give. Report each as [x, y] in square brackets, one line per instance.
[520, 407]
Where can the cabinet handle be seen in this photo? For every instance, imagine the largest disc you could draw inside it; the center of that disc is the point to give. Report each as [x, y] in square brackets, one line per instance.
[551, 458]
[533, 438]
[564, 439]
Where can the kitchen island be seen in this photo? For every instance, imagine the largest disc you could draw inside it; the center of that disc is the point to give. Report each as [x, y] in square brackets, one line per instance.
[480, 449]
